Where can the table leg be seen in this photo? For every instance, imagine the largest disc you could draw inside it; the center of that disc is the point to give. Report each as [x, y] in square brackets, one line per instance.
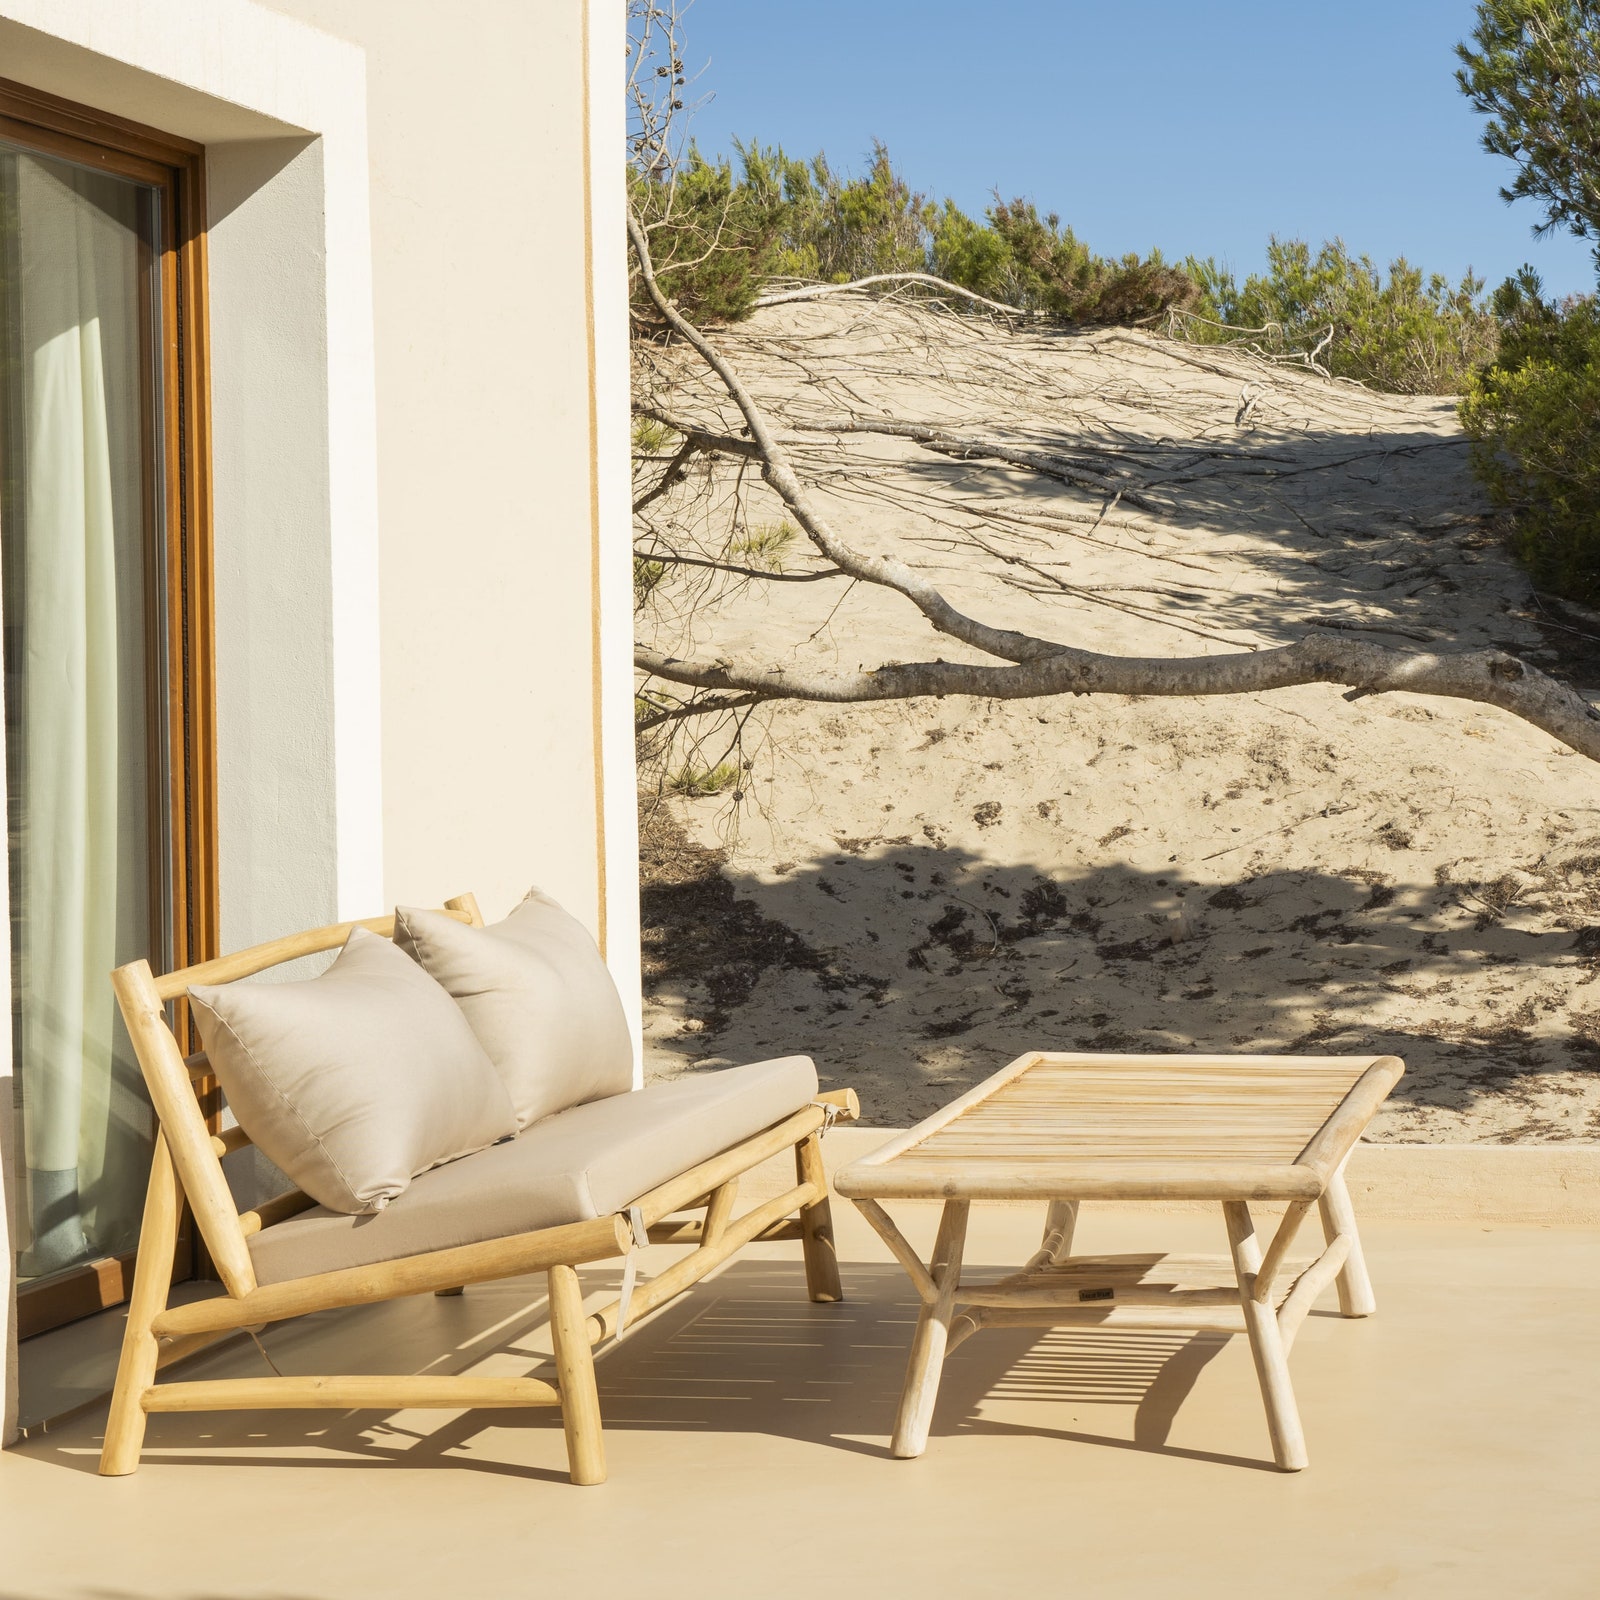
[1266, 1343]
[1356, 1298]
[1055, 1245]
[933, 1330]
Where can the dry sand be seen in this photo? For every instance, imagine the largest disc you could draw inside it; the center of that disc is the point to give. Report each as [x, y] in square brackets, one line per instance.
[915, 893]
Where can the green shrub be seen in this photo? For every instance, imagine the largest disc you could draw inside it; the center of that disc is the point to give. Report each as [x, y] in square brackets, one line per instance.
[1533, 414]
[1036, 264]
[1406, 333]
[763, 545]
[714, 238]
[651, 438]
[719, 230]
[697, 782]
[648, 576]
[857, 227]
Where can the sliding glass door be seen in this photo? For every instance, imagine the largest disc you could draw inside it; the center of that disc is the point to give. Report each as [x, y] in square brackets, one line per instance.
[96, 556]
[82, 520]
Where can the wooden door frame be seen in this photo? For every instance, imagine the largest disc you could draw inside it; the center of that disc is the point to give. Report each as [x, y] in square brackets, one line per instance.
[176, 167]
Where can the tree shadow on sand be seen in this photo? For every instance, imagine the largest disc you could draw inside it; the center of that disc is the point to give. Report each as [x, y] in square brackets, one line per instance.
[912, 972]
[1380, 536]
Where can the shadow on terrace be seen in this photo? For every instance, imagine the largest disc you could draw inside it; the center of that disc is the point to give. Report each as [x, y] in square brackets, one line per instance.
[745, 1354]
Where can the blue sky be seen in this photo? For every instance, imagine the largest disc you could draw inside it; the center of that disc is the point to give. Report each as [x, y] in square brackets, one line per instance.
[1197, 126]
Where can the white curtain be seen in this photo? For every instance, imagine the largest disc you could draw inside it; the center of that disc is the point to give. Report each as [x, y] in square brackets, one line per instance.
[77, 723]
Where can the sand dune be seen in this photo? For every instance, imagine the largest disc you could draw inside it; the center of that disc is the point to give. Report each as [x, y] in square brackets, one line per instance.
[914, 893]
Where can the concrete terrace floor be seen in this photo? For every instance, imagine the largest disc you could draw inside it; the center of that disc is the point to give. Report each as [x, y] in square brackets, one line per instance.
[1453, 1438]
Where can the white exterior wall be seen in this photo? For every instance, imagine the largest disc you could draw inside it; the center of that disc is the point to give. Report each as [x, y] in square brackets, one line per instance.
[419, 376]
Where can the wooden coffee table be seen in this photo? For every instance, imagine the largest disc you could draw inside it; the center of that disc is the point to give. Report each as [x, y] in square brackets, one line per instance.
[1068, 1128]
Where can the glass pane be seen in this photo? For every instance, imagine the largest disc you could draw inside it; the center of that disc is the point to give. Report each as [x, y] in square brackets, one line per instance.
[79, 521]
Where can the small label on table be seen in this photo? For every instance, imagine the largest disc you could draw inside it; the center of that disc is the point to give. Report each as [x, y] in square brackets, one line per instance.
[1097, 1294]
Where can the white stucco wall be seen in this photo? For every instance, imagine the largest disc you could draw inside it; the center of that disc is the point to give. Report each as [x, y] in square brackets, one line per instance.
[477, 134]
[419, 381]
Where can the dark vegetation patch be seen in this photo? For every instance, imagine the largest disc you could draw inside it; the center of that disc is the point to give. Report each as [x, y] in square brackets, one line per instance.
[955, 932]
[949, 1027]
[1044, 904]
[1232, 898]
[859, 847]
[966, 934]
[1132, 949]
[1319, 924]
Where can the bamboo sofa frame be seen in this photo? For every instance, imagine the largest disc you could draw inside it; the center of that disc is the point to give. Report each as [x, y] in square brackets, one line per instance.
[186, 1169]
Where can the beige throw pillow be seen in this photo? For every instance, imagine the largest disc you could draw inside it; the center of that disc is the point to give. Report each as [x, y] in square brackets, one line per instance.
[538, 997]
[355, 1081]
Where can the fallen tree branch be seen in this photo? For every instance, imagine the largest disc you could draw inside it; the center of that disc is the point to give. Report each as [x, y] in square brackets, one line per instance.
[1489, 677]
[815, 291]
[1030, 667]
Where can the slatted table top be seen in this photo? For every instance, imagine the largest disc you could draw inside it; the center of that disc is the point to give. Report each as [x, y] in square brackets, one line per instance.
[1090, 1126]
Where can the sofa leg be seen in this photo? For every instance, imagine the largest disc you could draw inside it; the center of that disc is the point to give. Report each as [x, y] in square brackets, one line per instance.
[152, 1279]
[580, 1400]
[816, 1225]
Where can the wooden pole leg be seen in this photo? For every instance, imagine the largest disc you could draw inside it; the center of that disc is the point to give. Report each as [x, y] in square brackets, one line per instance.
[1060, 1222]
[1356, 1298]
[816, 1225]
[580, 1400]
[152, 1279]
[1266, 1343]
[928, 1343]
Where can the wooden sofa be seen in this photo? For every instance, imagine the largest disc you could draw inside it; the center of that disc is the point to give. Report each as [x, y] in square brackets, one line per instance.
[187, 1169]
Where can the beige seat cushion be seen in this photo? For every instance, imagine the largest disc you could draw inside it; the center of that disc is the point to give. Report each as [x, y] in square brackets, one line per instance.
[355, 1081]
[579, 1164]
[538, 996]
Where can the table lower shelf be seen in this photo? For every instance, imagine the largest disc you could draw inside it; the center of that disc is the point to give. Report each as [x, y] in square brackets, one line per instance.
[1150, 1291]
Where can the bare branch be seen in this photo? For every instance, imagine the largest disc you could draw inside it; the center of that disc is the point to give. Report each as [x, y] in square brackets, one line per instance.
[737, 571]
[700, 438]
[700, 706]
[1490, 677]
[815, 291]
[777, 472]
[672, 475]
